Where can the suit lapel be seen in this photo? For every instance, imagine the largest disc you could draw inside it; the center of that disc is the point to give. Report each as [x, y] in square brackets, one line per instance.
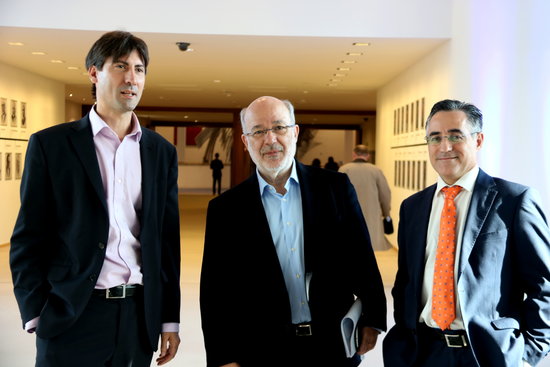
[307, 193]
[418, 235]
[83, 144]
[148, 157]
[482, 200]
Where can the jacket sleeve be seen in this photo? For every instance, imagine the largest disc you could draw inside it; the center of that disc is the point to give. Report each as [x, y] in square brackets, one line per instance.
[532, 241]
[171, 246]
[217, 300]
[32, 236]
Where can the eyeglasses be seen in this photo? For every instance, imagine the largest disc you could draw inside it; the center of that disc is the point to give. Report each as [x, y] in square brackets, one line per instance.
[453, 138]
[277, 130]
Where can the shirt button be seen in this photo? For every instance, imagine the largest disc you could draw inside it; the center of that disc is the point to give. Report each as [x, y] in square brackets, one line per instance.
[293, 249]
[119, 180]
[101, 245]
[288, 223]
[298, 276]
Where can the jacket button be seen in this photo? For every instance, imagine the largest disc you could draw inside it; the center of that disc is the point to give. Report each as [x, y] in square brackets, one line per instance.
[92, 278]
[101, 245]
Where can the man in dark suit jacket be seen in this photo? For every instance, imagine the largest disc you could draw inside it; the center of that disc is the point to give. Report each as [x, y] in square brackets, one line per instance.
[95, 253]
[285, 253]
[501, 262]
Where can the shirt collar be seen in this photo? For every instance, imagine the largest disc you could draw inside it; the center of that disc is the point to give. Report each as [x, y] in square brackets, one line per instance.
[467, 181]
[98, 124]
[293, 178]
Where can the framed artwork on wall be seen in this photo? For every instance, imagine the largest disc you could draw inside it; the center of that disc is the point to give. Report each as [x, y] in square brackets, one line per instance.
[3, 112]
[7, 167]
[23, 115]
[13, 114]
[18, 166]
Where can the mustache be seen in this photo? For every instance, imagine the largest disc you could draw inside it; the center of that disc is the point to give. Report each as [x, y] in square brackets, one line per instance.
[271, 148]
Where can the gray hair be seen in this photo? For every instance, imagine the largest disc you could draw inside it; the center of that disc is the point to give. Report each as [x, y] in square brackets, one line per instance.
[286, 102]
[475, 117]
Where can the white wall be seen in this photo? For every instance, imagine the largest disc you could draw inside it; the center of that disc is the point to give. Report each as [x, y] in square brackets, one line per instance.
[495, 60]
[320, 18]
[331, 143]
[501, 63]
[44, 107]
[192, 172]
[427, 80]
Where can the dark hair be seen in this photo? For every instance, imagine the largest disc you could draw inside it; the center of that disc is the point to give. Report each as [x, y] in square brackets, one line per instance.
[115, 44]
[475, 117]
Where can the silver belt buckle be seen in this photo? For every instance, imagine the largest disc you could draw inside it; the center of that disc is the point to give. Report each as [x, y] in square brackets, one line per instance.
[455, 341]
[303, 330]
[108, 293]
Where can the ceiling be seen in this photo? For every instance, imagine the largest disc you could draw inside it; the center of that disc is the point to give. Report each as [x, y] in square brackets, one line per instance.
[228, 72]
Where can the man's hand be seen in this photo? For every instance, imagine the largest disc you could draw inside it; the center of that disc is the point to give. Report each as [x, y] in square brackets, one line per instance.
[169, 343]
[231, 365]
[368, 339]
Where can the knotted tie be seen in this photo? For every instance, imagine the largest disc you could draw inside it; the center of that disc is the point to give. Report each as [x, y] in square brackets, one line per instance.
[443, 292]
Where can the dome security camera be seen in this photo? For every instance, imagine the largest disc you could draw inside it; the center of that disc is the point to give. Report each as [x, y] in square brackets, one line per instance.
[183, 46]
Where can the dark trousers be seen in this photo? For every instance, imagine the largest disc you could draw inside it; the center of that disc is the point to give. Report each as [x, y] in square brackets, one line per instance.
[216, 180]
[110, 332]
[300, 351]
[433, 351]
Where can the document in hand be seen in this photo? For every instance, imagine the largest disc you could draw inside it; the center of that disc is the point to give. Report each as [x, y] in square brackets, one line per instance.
[348, 327]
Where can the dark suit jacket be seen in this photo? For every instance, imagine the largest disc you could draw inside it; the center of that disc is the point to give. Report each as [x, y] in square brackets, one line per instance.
[505, 257]
[244, 302]
[59, 242]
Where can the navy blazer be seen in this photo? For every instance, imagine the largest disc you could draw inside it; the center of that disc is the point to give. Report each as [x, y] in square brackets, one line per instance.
[503, 278]
[245, 308]
[59, 241]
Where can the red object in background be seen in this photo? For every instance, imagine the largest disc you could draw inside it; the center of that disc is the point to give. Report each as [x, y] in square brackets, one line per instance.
[191, 133]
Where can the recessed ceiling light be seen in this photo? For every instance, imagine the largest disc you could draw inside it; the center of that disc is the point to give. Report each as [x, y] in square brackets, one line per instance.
[332, 85]
[185, 117]
[196, 120]
[361, 44]
[38, 53]
[339, 75]
[335, 80]
[217, 81]
[354, 54]
[343, 69]
[349, 62]
[306, 92]
[72, 67]
[70, 94]
[57, 61]
[16, 44]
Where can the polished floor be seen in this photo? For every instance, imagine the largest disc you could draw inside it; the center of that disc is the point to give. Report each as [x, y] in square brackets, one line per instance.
[17, 347]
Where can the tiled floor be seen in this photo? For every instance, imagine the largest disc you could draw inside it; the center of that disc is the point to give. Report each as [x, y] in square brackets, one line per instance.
[17, 348]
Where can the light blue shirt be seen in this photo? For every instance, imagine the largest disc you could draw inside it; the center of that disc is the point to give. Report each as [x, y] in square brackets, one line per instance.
[284, 214]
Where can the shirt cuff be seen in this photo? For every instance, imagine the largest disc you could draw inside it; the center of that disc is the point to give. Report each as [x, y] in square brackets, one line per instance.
[171, 327]
[30, 326]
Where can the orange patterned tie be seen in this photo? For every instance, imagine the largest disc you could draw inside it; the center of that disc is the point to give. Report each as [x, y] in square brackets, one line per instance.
[443, 293]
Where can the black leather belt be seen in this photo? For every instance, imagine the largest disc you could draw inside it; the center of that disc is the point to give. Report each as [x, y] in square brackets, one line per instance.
[453, 338]
[301, 329]
[121, 291]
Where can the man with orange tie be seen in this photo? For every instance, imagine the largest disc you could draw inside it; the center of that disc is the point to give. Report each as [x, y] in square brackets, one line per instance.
[473, 283]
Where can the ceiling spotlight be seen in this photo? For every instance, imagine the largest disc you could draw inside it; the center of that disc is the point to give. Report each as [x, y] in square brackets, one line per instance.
[183, 46]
